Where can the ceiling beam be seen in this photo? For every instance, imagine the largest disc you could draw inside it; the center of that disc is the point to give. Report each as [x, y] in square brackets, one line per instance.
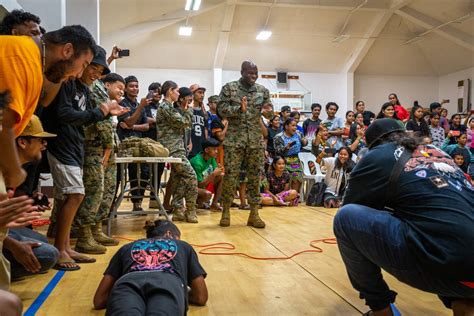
[377, 26]
[221, 48]
[429, 23]
[307, 6]
[168, 19]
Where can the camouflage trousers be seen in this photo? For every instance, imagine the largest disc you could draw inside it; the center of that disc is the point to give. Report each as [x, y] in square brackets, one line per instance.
[183, 184]
[99, 184]
[237, 160]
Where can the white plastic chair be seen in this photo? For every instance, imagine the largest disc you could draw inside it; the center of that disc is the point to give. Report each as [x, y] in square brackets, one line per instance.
[309, 178]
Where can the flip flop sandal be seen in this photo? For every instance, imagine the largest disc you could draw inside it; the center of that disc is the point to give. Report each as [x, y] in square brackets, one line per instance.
[83, 259]
[216, 208]
[244, 207]
[394, 309]
[61, 265]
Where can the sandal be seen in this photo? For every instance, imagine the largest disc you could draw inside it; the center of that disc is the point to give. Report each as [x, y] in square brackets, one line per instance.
[62, 265]
[216, 208]
[244, 207]
[83, 259]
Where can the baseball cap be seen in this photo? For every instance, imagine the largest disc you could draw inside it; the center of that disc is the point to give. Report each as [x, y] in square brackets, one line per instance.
[285, 108]
[184, 92]
[210, 142]
[213, 98]
[380, 128]
[35, 129]
[195, 87]
[101, 59]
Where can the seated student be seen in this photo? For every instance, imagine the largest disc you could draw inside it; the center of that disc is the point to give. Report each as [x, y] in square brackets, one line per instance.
[337, 174]
[458, 158]
[27, 250]
[209, 174]
[151, 276]
[407, 210]
[321, 147]
[461, 147]
[276, 190]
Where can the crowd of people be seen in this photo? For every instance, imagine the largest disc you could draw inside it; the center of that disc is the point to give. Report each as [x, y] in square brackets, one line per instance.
[64, 110]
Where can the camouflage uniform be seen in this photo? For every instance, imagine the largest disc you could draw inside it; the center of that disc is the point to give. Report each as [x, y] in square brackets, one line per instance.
[99, 181]
[243, 144]
[171, 124]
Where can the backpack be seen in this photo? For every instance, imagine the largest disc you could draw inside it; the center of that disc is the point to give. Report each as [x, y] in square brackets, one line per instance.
[316, 194]
[141, 147]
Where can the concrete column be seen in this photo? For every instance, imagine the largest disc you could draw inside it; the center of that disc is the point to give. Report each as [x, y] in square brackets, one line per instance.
[217, 78]
[51, 12]
[87, 14]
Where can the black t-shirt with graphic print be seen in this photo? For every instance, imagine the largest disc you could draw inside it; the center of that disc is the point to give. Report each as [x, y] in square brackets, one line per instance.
[433, 199]
[165, 255]
[198, 131]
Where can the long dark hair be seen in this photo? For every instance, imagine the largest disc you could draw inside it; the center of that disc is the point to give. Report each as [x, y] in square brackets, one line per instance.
[396, 97]
[167, 85]
[384, 107]
[275, 160]
[349, 165]
[401, 139]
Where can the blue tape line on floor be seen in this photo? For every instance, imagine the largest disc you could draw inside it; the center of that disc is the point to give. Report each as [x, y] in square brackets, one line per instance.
[35, 306]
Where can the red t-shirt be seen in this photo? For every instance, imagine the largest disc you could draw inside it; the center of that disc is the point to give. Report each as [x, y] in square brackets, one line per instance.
[402, 113]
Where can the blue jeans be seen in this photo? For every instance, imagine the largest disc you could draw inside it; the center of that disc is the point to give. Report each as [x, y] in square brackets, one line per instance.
[370, 240]
[46, 254]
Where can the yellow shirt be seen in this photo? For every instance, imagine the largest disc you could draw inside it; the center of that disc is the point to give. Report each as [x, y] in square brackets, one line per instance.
[21, 74]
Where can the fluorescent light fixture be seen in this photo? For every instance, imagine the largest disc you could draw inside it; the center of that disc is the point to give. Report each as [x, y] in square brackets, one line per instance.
[340, 38]
[192, 5]
[264, 35]
[185, 30]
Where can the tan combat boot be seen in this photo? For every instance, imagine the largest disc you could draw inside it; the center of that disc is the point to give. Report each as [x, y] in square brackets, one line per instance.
[225, 219]
[102, 238]
[87, 244]
[191, 216]
[178, 215]
[255, 220]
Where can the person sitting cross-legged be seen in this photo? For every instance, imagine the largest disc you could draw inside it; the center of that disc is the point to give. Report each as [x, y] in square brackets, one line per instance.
[276, 186]
[209, 174]
[151, 276]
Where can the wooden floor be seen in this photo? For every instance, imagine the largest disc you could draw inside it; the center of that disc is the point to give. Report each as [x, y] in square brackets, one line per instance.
[309, 284]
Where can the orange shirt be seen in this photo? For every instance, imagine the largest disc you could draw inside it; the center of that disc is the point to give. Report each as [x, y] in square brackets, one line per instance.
[22, 75]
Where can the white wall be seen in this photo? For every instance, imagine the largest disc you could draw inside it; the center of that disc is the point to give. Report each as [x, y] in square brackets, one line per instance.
[324, 87]
[181, 77]
[448, 87]
[374, 90]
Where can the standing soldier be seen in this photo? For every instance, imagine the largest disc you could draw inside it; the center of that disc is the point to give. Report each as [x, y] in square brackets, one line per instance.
[99, 173]
[241, 103]
[171, 124]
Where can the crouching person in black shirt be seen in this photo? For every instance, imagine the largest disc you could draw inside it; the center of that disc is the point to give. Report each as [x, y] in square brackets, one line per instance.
[407, 210]
[151, 276]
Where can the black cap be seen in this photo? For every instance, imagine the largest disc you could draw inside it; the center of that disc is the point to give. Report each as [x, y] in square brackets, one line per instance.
[210, 142]
[285, 108]
[101, 59]
[380, 128]
[184, 92]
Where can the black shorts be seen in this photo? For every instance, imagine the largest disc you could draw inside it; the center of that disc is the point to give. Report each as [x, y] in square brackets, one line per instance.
[147, 293]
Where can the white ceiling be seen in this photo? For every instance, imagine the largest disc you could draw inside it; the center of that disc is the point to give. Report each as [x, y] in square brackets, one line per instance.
[303, 33]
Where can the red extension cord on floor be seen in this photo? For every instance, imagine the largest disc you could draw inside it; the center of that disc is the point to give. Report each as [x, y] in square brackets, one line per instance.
[210, 249]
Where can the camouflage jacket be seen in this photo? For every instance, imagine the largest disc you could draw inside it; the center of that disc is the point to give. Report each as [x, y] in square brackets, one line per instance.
[100, 135]
[244, 128]
[171, 124]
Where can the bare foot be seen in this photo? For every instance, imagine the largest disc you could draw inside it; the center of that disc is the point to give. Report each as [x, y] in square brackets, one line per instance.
[65, 262]
[216, 208]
